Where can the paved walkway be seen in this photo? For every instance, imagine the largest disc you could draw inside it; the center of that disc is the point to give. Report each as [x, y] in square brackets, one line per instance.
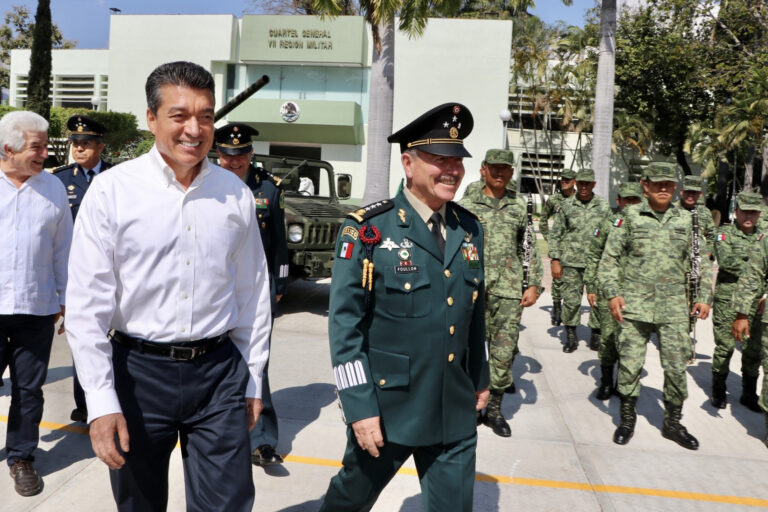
[560, 456]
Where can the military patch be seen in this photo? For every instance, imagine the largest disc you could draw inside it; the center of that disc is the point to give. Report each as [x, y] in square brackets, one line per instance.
[404, 254]
[406, 269]
[720, 237]
[262, 202]
[401, 214]
[71, 187]
[618, 222]
[388, 244]
[345, 250]
[596, 232]
[469, 252]
[406, 244]
[350, 232]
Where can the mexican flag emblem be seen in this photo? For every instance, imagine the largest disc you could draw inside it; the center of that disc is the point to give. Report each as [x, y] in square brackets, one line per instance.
[618, 222]
[345, 250]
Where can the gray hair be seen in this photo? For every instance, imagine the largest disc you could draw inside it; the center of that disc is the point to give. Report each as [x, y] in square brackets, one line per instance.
[12, 128]
[178, 73]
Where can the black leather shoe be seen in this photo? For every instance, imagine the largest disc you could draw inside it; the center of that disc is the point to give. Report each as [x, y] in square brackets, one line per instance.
[623, 434]
[511, 390]
[80, 415]
[265, 455]
[499, 425]
[680, 435]
[25, 478]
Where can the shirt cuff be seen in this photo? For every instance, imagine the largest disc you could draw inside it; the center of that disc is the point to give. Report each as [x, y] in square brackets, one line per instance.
[102, 402]
[253, 389]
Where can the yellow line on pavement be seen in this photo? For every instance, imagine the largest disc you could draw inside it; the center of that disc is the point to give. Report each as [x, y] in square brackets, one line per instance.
[530, 482]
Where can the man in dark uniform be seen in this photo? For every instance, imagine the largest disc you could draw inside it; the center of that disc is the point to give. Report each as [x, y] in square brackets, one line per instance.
[235, 149]
[87, 138]
[407, 327]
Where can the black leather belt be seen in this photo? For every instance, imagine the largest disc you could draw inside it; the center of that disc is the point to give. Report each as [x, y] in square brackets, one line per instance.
[181, 351]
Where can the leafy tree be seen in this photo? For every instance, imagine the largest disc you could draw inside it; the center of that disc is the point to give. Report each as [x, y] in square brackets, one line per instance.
[16, 32]
[39, 88]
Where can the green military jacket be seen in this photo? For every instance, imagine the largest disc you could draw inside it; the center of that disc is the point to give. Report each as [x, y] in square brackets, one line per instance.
[752, 281]
[417, 355]
[575, 222]
[646, 259]
[504, 222]
[595, 250]
[550, 207]
[732, 250]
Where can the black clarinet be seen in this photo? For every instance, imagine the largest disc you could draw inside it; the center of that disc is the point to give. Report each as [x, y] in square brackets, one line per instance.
[694, 277]
[528, 244]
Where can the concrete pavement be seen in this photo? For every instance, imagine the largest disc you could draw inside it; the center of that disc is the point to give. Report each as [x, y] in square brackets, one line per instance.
[560, 456]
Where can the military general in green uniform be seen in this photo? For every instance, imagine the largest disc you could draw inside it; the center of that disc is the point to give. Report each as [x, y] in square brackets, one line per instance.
[407, 327]
[733, 245]
[575, 222]
[628, 193]
[504, 220]
[567, 188]
[643, 274]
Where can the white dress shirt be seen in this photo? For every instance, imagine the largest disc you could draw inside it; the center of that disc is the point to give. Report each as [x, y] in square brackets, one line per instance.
[34, 245]
[165, 264]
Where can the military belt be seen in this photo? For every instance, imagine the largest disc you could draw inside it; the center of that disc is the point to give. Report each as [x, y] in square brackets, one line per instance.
[178, 351]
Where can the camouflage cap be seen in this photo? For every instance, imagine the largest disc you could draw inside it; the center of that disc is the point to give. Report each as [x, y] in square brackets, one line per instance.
[567, 174]
[660, 171]
[749, 201]
[692, 183]
[633, 189]
[585, 175]
[499, 156]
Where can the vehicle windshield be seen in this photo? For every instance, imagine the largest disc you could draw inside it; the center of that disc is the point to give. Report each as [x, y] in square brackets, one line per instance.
[306, 180]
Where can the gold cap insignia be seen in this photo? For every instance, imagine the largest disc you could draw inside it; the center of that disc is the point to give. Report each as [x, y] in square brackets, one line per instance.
[456, 109]
[453, 132]
[80, 128]
[235, 141]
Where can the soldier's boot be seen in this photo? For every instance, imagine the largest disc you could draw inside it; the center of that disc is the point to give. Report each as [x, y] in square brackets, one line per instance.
[719, 398]
[626, 428]
[605, 389]
[571, 342]
[674, 430]
[557, 309]
[594, 339]
[749, 393]
[493, 416]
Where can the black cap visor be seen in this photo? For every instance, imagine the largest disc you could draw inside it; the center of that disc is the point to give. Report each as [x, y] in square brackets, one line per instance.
[239, 150]
[455, 150]
[85, 136]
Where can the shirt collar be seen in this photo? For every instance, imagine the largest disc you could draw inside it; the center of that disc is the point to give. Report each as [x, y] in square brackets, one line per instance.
[421, 209]
[165, 174]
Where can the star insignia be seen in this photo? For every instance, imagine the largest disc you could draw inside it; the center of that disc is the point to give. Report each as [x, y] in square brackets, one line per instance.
[455, 119]
[446, 125]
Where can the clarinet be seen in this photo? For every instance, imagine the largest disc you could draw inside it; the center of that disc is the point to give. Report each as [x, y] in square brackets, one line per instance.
[528, 244]
[694, 277]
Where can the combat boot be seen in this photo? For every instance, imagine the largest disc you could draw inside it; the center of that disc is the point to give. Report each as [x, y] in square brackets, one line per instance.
[594, 339]
[557, 309]
[749, 393]
[718, 399]
[571, 342]
[626, 428]
[605, 389]
[674, 431]
[493, 416]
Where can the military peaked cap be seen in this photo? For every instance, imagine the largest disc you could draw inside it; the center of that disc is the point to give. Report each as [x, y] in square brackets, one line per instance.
[440, 131]
[749, 201]
[499, 156]
[633, 189]
[85, 128]
[235, 138]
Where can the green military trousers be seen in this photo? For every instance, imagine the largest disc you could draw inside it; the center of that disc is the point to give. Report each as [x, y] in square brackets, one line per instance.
[446, 474]
[675, 348]
[502, 325]
[557, 294]
[572, 287]
[723, 316]
[608, 352]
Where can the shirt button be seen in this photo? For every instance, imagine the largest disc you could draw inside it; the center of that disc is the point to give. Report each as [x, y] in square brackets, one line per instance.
[189, 228]
[382, 382]
[183, 329]
[186, 296]
[407, 286]
[187, 262]
[447, 273]
[450, 358]
[449, 300]
[451, 330]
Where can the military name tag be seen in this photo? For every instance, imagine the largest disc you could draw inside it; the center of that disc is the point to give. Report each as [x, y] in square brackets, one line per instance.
[406, 269]
[72, 196]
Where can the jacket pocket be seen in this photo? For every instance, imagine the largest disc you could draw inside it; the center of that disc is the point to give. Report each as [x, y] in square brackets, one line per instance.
[389, 370]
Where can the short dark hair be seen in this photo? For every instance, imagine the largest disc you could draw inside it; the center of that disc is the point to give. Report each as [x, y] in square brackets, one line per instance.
[180, 73]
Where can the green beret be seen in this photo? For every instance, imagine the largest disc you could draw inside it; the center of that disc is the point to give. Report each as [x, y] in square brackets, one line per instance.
[630, 190]
[500, 156]
[567, 174]
[749, 201]
[692, 183]
[585, 175]
[660, 171]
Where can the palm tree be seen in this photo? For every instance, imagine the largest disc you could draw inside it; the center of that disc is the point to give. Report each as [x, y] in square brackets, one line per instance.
[604, 91]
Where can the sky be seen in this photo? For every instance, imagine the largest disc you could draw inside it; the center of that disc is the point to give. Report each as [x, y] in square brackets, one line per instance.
[87, 21]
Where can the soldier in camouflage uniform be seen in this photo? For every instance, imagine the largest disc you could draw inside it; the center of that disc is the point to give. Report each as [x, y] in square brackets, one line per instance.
[733, 245]
[690, 196]
[749, 288]
[504, 219]
[643, 273]
[567, 188]
[575, 222]
[629, 193]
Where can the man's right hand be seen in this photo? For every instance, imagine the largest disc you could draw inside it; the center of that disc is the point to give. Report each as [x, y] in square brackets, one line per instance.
[557, 269]
[103, 430]
[368, 434]
[616, 305]
[740, 328]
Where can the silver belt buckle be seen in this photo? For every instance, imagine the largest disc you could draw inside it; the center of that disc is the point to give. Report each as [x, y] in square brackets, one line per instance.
[183, 353]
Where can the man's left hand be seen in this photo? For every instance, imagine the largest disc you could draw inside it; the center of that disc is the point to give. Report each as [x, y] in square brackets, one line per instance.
[481, 398]
[56, 319]
[700, 310]
[254, 407]
[530, 296]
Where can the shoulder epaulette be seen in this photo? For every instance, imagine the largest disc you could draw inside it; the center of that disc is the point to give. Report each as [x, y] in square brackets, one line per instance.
[64, 168]
[463, 210]
[373, 209]
[269, 176]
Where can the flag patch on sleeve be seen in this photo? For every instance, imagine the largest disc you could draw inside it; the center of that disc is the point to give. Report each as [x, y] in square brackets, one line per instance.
[345, 250]
[721, 237]
[618, 222]
[596, 232]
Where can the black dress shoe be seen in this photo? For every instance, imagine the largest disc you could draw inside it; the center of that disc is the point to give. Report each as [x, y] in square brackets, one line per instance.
[27, 481]
[80, 415]
[265, 455]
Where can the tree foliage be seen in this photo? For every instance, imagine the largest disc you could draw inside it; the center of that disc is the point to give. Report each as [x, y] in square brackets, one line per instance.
[40, 64]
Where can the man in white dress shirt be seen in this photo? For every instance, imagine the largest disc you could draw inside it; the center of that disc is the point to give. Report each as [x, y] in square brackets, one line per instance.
[36, 229]
[167, 253]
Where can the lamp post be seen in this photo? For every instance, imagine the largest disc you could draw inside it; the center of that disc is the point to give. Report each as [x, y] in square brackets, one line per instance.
[96, 101]
[505, 115]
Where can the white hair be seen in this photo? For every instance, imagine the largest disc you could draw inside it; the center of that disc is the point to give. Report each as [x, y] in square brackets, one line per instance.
[14, 124]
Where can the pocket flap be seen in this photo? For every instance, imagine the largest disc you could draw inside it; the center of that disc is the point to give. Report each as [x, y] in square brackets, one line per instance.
[389, 370]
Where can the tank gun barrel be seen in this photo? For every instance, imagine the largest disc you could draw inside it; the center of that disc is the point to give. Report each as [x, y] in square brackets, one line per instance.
[240, 98]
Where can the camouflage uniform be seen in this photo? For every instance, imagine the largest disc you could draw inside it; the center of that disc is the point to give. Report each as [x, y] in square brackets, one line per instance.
[732, 249]
[645, 261]
[549, 210]
[575, 223]
[706, 222]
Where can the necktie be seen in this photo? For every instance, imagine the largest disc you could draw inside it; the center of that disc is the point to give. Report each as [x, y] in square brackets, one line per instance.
[435, 219]
[90, 175]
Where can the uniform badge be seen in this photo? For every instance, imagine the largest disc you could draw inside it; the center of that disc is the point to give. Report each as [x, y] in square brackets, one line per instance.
[235, 141]
[262, 202]
[282, 199]
[467, 237]
[388, 244]
[596, 232]
[401, 214]
[618, 222]
[71, 187]
[345, 250]
[406, 244]
[474, 296]
[453, 132]
[720, 237]
[350, 232]
[404, 254]
[469, 252]
[406, 265]
[370, 236]
[456, 109]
